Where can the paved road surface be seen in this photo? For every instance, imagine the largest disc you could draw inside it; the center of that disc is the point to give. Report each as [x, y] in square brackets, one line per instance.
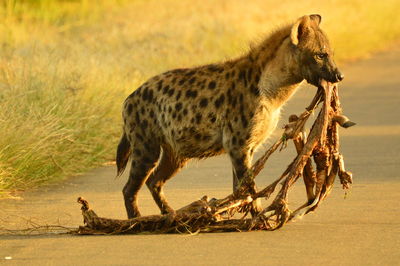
[363, 229]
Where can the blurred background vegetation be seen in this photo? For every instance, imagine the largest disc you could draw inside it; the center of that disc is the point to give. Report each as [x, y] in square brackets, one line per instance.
[67, 65]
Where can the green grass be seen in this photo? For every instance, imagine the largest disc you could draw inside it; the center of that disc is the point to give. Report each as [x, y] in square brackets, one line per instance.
[67, 66]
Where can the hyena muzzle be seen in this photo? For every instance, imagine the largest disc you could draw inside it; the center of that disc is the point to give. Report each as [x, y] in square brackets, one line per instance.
[229, 107]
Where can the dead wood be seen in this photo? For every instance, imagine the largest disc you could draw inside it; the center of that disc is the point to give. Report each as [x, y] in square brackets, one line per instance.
[320, 147]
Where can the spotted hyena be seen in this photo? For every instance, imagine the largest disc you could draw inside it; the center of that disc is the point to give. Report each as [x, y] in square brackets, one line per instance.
[229, 107]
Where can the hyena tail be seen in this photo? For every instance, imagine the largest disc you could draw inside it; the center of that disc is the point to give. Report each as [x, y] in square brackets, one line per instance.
[123, 153]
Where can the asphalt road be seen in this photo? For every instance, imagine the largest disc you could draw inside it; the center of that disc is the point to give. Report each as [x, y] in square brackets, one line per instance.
[361, 229]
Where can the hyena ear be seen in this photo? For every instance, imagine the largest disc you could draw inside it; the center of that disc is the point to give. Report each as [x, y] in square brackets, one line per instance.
[300, 29]
[316, 18]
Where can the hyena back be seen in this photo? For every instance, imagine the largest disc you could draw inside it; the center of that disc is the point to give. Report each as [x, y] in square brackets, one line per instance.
[230, 107]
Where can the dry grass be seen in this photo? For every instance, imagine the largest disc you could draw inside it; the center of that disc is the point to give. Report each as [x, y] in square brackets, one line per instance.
[66, 66]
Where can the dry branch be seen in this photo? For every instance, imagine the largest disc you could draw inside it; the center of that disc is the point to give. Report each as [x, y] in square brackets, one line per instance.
[321, 146]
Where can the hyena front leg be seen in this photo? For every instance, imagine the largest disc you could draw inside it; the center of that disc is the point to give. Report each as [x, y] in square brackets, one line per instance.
[243, 179]
[240, 154]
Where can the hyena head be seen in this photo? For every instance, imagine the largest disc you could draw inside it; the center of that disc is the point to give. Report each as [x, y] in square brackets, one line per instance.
[313, 52]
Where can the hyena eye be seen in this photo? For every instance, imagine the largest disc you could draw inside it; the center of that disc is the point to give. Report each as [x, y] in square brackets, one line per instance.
[321, 56]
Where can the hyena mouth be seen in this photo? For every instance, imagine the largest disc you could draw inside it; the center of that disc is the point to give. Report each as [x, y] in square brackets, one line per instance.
[316, 81]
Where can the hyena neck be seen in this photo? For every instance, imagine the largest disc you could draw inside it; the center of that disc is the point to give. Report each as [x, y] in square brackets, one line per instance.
[279, 79]
[278, 83]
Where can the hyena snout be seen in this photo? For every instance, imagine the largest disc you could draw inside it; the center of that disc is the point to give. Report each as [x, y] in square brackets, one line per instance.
[334, 76]
[339, 76]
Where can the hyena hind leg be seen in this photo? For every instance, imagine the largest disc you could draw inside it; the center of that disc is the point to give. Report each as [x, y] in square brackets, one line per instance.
[166, 169]
[142, 166]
